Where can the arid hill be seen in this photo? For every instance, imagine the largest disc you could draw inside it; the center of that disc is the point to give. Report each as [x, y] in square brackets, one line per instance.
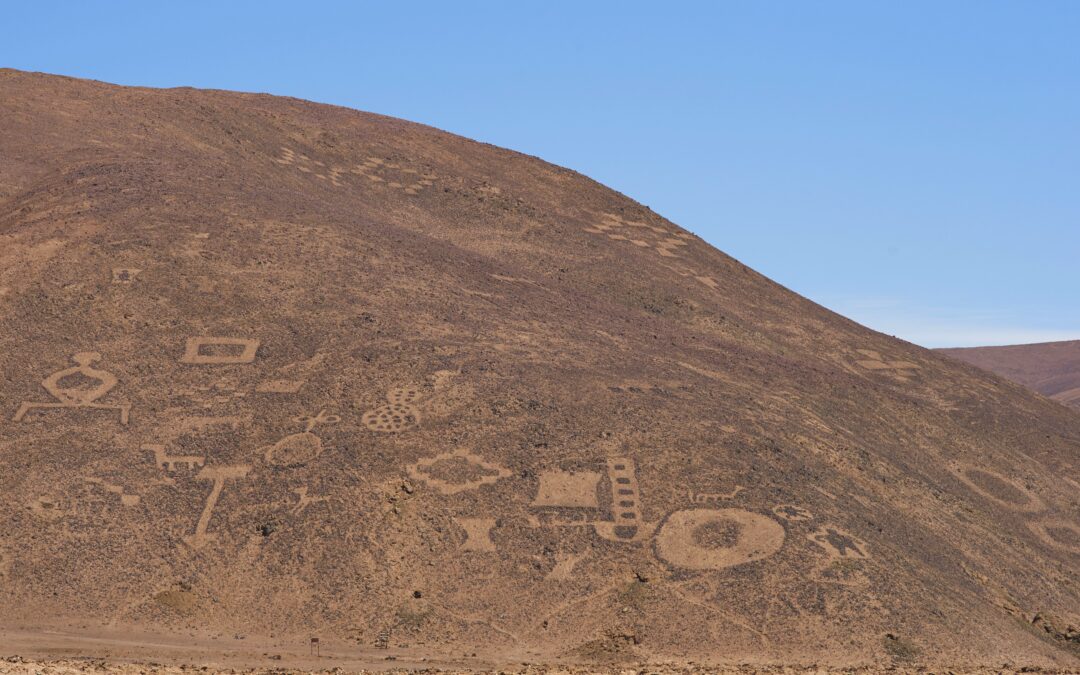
[1050, 368]
[273, 368]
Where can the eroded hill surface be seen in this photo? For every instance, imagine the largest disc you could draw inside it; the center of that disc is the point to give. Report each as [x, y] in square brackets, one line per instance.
[277, 368]
[1050, 368]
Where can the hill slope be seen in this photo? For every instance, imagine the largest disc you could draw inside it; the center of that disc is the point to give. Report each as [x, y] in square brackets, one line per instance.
[1050, 368]
[272, 367]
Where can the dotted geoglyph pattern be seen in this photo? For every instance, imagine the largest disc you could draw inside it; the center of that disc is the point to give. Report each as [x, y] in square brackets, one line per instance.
[665, 242]
[373, 171]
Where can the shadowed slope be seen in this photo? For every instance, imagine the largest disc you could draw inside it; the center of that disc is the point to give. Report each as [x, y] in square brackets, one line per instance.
[269, 366]
[1050, 368]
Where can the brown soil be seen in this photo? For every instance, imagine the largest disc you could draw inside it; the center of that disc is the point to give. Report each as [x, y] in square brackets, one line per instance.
[272, 370]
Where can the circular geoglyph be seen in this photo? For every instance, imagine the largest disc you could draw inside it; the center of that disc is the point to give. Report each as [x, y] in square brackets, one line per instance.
[708, 539]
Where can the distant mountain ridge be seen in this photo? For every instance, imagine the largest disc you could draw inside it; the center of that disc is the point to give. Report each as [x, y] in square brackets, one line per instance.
[1050, 368]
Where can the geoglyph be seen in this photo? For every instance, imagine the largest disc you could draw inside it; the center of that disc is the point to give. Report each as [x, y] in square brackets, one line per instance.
[70, 396]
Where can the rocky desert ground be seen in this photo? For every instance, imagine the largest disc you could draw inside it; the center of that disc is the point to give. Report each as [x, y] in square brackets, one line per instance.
[277, 370]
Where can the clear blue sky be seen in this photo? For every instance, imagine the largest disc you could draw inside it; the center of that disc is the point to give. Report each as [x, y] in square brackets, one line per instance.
[912, 164]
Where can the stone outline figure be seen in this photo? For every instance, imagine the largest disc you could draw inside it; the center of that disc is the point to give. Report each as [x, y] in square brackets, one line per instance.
[417, 471]
[874, 361]
[372, 166]
[627, 524]
[400, 413]
[218, 475]
[168, 462]
[193, 351]
[839, 544]
[306, 438]
[78, 398]
[756, 537]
